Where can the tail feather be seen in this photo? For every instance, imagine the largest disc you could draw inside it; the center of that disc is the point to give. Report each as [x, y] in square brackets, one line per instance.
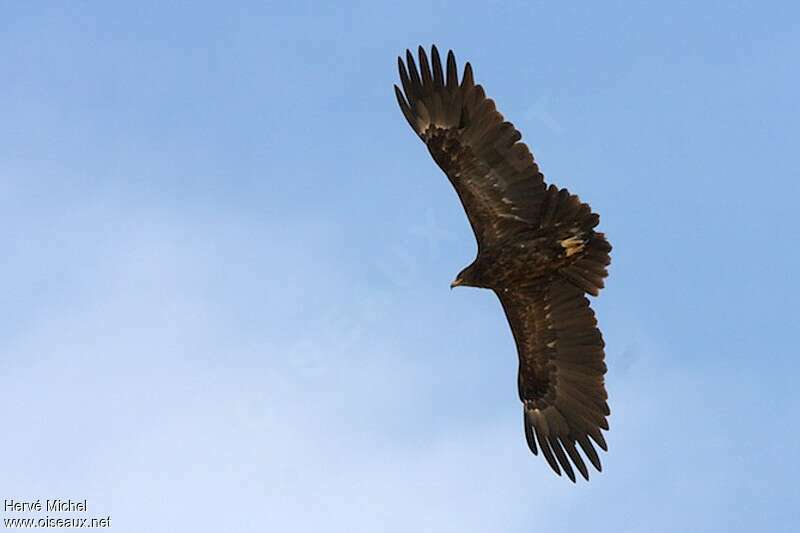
[565, 210]
[590, 270]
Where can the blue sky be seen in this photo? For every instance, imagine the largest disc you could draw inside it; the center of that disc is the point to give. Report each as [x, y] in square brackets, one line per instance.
[227, 259]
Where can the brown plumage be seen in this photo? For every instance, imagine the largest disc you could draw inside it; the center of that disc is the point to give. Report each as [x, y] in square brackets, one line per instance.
[537, 250]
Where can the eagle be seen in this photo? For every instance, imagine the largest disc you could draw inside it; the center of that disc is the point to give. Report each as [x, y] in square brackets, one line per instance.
[537, 250]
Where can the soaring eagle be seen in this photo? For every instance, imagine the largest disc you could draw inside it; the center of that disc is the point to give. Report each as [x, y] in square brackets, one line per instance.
[537, 250]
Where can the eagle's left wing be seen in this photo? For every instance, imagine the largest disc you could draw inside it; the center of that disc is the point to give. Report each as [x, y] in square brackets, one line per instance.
[561, 372]
[494, 174]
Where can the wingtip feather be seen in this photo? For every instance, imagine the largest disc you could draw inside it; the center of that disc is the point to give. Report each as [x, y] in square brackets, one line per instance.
[452, 73]
[467, 79]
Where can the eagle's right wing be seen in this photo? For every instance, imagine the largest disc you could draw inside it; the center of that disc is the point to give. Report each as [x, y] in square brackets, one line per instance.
[561, 372]
[494, 174]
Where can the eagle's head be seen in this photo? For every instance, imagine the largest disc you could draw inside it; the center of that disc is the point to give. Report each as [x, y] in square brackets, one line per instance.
[468, 277]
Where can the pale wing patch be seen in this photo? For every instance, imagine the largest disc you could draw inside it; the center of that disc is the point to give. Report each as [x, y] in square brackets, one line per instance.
[573, 245]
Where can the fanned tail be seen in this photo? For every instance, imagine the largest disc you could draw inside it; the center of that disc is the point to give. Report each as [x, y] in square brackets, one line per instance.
[590, 270]
[560, 208]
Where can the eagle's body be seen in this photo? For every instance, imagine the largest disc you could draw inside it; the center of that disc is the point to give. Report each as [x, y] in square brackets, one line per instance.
[537, 250]
[529, 259]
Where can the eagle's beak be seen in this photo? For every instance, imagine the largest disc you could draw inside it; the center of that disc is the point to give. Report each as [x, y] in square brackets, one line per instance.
[456, 282]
